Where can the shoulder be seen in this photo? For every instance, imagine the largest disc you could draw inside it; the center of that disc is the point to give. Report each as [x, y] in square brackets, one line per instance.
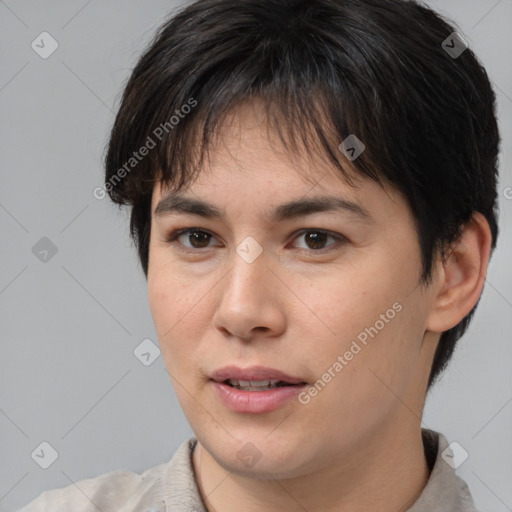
[112, 491]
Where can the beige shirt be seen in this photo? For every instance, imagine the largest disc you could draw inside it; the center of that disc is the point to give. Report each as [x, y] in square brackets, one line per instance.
[171, 487]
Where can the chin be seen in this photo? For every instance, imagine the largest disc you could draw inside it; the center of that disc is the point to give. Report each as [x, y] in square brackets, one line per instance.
[256, 455]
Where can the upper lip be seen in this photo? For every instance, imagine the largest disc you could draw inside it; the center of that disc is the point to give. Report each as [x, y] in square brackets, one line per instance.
[253, 373]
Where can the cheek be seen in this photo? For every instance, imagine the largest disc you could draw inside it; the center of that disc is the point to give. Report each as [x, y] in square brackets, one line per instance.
[172, 297]
[373, 322]
[344, 303]
[179, 306]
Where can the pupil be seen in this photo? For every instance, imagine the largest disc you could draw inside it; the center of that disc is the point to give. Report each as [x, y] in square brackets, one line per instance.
[315, 237]
[194, 238]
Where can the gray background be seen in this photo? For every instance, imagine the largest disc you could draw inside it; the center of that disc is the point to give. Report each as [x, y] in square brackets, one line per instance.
[69, 326]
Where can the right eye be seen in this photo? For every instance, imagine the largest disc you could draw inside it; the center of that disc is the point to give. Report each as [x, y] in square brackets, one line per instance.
[196, 236]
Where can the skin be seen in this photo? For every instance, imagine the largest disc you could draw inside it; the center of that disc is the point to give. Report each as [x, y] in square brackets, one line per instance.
[357, 444]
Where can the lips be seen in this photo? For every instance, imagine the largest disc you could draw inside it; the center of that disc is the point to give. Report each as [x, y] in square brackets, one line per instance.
[256, 389]
[255, 374]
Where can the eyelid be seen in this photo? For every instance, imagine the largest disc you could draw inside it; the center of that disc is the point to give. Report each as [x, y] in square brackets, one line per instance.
[172, 237]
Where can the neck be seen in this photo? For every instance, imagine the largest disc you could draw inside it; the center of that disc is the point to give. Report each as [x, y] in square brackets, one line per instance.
[388, 473]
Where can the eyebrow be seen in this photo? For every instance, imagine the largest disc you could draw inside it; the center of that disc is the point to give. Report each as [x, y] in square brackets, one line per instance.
[177, 203]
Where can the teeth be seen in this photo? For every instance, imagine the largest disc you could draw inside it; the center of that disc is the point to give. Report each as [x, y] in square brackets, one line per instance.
[259, 383]
[254, 385]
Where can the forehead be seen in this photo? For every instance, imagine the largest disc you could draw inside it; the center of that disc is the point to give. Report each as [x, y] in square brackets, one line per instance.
[247, 163]
[247, 143]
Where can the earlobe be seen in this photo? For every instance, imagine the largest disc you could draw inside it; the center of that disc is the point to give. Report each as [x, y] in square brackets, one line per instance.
[461, 275]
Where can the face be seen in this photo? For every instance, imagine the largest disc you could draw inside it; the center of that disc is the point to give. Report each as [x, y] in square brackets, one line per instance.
[330, 298]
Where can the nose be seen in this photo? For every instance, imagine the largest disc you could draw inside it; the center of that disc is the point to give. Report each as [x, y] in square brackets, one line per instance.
[250, 305]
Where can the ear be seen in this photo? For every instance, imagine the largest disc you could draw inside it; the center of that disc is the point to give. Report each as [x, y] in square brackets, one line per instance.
[461, 275]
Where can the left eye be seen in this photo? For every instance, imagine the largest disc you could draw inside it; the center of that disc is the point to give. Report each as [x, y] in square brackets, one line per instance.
[199, 238]
[317, 237]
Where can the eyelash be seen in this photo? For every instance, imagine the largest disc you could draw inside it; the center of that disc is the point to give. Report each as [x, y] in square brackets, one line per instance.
[340, 239]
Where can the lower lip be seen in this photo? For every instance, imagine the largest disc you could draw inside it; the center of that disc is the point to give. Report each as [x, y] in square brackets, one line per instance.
[256, 401]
